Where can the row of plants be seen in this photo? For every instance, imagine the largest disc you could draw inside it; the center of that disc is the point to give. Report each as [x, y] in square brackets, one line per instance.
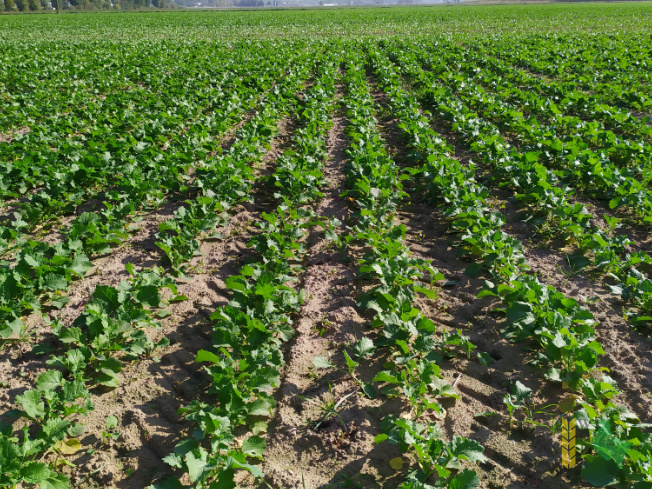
[616, 171]
[227, 177]
[563, 329]
[559, 100]
[613, 68]
[159, 140]
[244, 364]
[539, 189]
[41, 273]
[47, 80]
[395, 278]
[111, 328]
[36, 438]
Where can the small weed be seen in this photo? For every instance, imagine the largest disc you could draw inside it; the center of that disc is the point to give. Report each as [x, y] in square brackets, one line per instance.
[111, 432]
[328, 407]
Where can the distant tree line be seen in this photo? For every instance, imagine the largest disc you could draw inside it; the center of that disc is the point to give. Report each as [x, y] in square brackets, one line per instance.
[36, 5]
[68, 5]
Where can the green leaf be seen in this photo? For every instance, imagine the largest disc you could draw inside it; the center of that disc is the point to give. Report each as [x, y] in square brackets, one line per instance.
[149, 295]
[54, 282]
[364, 347]
[225, 480]
[577, 261]
[76, 429]
[195, 467]
[81, 264]
[49, 380]
[473, 270]
[369, 390]
[55, 481]
[207, 356]
[60, 301]
[484, 359]
[109, 370]
[521, 391]
[468, 449]
[254, 446]
[35, 473]
[429, 293]
[322, 362]
[403, 346]
[111, 422]
[255, 471]
[109, 295]
[386, 377]
[235, 283]
[609, 446]
[258, 427]
[380, 438]
[173, 460]
[74, 390]
[32, 404]
[467, 479]
[600, 472]
[71, 335]
[15, 326]
[426, 325]
[350, 363]
[520, 311]
[108, 379]
[259, 407]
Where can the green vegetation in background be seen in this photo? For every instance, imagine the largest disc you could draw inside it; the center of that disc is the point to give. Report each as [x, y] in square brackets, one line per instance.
[458, 21]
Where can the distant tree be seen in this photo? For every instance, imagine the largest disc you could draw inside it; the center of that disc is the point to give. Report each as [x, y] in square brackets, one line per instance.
[9, 5]
[21, 5]
[33, 5]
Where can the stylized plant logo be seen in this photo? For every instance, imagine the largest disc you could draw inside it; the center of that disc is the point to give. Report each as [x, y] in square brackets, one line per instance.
[568, 443]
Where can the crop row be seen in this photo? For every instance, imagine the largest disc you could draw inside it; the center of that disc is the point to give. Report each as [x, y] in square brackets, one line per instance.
[245, 361]
[541, 191]
[111, 329]
[68, 165]
[172, 149]
[613, 68]
[562, 327]
[42, 272]
[376, 190]
[611, 172]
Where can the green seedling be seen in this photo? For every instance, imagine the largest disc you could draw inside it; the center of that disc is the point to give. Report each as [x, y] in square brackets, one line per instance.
[111, 430]
[328, 407]
[362, 349]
